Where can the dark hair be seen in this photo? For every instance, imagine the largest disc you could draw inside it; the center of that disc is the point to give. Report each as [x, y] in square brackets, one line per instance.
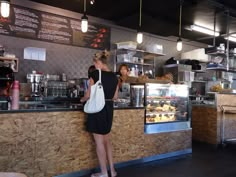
[102, 56]
[90, 70]
[123, 65]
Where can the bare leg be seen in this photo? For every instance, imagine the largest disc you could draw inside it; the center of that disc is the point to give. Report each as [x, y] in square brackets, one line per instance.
[108, 146]
[101, 152]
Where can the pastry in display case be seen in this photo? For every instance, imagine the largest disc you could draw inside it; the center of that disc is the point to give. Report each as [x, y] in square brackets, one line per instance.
[166, 103]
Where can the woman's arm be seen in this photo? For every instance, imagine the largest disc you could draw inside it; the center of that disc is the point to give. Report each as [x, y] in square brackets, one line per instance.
[115, 97]
[87, 94]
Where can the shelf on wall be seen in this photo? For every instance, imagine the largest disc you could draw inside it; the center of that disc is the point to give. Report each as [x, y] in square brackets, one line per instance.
[146, 55]
[199, 71]
[213, 51]
[199, 81]
[9, 61]
[222, 69]
[135, 63]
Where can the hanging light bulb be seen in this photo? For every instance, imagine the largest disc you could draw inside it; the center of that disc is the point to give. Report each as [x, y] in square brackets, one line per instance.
[139, 33]
[84, 23]
[5, 8]
[139, 37]
[92, 2]
[179, 46]
[84, 20]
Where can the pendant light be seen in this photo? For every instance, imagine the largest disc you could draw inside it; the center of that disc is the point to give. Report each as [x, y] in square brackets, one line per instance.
[5, 8]
[179, 46]
[139, 32]
[92, 2]
[84, 20]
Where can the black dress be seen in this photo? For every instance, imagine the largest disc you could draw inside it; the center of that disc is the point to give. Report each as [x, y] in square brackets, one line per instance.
[101, 122]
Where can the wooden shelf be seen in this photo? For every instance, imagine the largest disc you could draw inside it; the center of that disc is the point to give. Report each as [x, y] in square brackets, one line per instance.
[10, 61]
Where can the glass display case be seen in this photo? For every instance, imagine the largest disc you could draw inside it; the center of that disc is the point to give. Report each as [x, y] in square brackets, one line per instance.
[167, 107]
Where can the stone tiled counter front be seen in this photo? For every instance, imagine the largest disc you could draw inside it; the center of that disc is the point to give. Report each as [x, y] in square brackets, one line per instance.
[207, 120]
[205, 126]
[43, 144]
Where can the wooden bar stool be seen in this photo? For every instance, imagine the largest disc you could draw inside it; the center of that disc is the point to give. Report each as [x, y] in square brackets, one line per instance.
[11, 174]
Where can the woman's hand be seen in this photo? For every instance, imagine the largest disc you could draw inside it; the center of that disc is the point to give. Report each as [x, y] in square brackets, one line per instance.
[115, 97]
[82, 100]
[87, 94]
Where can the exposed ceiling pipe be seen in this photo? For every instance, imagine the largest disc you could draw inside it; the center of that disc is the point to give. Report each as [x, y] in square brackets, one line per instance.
[227, 52]
[214, 39]
[222, 6]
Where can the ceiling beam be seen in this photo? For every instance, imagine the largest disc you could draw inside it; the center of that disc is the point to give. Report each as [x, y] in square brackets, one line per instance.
[222, 6]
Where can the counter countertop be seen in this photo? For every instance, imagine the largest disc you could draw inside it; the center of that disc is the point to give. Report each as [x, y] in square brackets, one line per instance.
[29, 107]
[204, 105]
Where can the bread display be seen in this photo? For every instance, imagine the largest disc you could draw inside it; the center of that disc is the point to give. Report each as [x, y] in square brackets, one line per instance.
[154, 118]
[167, 77]
[164, 103]
[216, 88]
[159, 108]
[162, 111]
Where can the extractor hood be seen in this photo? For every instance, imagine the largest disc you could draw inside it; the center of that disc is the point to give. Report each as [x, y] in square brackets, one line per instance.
[196, 54]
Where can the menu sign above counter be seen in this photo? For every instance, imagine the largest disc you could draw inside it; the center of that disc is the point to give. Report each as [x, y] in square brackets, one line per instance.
[38, 25]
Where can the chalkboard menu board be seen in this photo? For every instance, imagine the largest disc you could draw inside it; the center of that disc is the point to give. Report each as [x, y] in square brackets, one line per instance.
[38, 25]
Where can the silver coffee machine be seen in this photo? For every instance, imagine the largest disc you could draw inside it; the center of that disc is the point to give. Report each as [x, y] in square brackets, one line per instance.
[137, 95]
[35, 80]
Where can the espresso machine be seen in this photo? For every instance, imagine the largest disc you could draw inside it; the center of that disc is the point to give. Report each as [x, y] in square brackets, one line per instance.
[35, 80]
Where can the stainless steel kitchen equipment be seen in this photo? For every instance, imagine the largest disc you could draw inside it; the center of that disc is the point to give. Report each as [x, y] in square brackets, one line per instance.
[137, 95]
[230, 110]
[55, 89]
[35, 80]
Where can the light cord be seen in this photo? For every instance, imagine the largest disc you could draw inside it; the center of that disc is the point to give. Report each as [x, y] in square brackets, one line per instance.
[140, 14]
[180, 17]
[84, 6]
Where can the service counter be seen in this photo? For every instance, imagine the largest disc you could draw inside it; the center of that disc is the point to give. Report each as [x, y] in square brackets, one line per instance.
[207, 120]
[50, 142]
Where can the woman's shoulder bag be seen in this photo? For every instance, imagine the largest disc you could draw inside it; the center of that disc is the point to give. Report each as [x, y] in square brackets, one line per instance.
[96, 101]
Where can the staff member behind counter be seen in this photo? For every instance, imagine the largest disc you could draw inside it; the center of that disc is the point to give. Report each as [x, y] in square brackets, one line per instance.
[124, 74]
[124, 82]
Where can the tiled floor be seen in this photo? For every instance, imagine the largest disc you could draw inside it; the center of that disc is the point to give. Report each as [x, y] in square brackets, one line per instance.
[205, 161]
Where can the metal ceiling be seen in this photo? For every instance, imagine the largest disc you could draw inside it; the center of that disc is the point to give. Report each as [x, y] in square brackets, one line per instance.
[160, 17]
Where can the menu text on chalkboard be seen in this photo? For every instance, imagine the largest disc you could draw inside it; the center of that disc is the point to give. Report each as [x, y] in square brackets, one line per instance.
[33, 24]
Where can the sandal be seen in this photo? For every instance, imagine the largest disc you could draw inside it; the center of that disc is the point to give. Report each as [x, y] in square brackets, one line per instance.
[99, 175]
[114, 174]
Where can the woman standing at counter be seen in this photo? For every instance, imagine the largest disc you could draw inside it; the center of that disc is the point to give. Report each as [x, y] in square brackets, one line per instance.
[124, 74]
[100, 123]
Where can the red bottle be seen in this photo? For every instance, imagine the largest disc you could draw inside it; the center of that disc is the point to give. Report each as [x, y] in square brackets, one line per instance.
[15, 95]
